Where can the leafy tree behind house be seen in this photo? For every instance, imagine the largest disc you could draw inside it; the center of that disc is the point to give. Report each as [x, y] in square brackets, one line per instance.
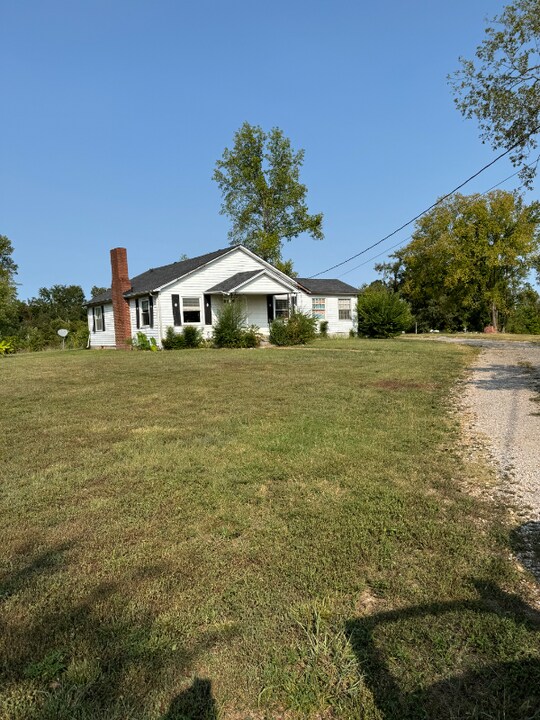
[467, 261]
[259, 179]
[501, 88]
[8, 290]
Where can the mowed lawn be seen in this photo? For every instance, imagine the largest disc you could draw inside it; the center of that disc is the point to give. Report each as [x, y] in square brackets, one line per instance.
[253, 534]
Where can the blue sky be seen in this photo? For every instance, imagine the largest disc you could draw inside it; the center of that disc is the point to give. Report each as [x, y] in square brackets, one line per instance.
[114, 113]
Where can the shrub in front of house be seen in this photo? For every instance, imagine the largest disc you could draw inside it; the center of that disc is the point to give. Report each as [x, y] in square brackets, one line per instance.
[141, 342]
[230, 330]
[298, 329]
[323, 328]
[381, 313]
[189, 337]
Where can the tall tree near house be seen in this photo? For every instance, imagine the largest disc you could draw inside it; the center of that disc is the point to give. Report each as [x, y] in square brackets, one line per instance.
[97, 290]
[501, 88]
[8, 290]
[467, 260]
[259, 179]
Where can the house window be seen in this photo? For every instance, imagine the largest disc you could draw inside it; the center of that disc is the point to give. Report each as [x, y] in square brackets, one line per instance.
[145, 313]
[344, 308]
[318, 307]
[282, 308]
[191, 309]
[98, 319]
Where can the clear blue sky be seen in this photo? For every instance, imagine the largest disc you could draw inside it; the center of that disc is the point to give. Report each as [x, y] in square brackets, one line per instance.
[115, 111]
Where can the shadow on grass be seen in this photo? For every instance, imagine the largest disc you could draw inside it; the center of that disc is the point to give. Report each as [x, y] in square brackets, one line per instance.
[195, 703]
[525, 541]
[506, 690]
[98, 656]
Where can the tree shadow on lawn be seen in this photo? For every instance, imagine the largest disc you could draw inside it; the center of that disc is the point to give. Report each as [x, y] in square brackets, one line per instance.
[525, 541]
[93, 658]
[195, 703]
[506, 690]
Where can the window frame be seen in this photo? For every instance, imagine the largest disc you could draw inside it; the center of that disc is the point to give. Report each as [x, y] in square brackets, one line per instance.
[346, 310]
[282, 313]
[190, 309]
[319, 313]
[99, 319]
[145, 312]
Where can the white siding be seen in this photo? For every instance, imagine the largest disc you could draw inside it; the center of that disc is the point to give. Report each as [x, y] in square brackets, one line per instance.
[263, 286]
[335, 325]
[103, 338]
[150, 332]
[198, 282]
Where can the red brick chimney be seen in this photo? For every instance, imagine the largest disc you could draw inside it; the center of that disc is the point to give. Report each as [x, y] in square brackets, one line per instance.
[120, 284]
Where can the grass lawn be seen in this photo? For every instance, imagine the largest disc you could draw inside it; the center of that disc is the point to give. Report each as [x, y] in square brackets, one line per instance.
[252, 534]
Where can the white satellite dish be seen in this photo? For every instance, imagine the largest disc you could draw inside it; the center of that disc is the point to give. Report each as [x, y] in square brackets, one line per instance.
[63, 333]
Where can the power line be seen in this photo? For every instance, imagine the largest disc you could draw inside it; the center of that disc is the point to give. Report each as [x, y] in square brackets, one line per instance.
[438, 202]
[409, 237]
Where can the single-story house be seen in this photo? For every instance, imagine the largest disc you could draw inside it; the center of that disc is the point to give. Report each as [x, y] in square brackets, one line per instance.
[191, 292]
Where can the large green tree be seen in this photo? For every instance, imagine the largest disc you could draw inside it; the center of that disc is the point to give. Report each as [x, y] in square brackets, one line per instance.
[468, 260]
[501, 87]
[259, 179]
[8, 290]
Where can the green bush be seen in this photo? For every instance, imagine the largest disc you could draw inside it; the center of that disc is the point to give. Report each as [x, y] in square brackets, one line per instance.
[189, 337]
[141, 342]
[6, 347]
[230, 330]
[298, 329]
[381, 313]
[323, 328]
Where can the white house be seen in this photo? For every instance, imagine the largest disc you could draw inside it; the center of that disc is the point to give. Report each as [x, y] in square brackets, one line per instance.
[191, 292]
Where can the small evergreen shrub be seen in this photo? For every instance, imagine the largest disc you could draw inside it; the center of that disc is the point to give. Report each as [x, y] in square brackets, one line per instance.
[230, 330]
[189, 337]
[192, 336]
[298, 329]
[278, 332]
[173, 340]
[381, 313]
[352, 333]
[323, 328]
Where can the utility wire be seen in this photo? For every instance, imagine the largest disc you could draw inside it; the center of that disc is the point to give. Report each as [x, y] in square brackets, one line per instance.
[438, 202]
[409, 237]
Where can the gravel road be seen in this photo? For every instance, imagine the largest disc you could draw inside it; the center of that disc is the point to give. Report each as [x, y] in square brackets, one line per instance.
[502, 400]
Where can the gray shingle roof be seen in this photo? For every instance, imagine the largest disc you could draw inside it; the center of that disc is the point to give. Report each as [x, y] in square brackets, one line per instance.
[234, 281]
[327, 286]
[156, 277]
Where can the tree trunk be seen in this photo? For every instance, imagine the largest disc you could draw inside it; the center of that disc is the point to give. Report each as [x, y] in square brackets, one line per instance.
[494, 316]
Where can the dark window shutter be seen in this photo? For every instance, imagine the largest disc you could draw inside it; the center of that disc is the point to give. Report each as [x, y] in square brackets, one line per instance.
[103, 317]
[151, 310]
[207, 309]
[177, 320]
[93, 319]
[138, 317]
[270, 307]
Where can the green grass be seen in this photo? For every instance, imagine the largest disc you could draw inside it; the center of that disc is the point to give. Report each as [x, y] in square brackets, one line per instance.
[252, 534]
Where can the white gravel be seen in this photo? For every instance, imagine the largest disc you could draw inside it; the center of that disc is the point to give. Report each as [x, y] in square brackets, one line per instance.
[501, 398]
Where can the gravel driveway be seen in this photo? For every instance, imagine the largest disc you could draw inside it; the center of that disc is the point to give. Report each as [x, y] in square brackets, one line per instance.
[502, 399]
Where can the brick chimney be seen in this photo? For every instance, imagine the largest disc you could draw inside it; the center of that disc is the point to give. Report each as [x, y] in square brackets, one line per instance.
[120, 284]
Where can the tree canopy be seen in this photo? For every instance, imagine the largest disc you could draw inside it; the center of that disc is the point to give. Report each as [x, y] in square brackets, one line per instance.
[501, 88]
[467, 261]
[8, 290]
[259, 179]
